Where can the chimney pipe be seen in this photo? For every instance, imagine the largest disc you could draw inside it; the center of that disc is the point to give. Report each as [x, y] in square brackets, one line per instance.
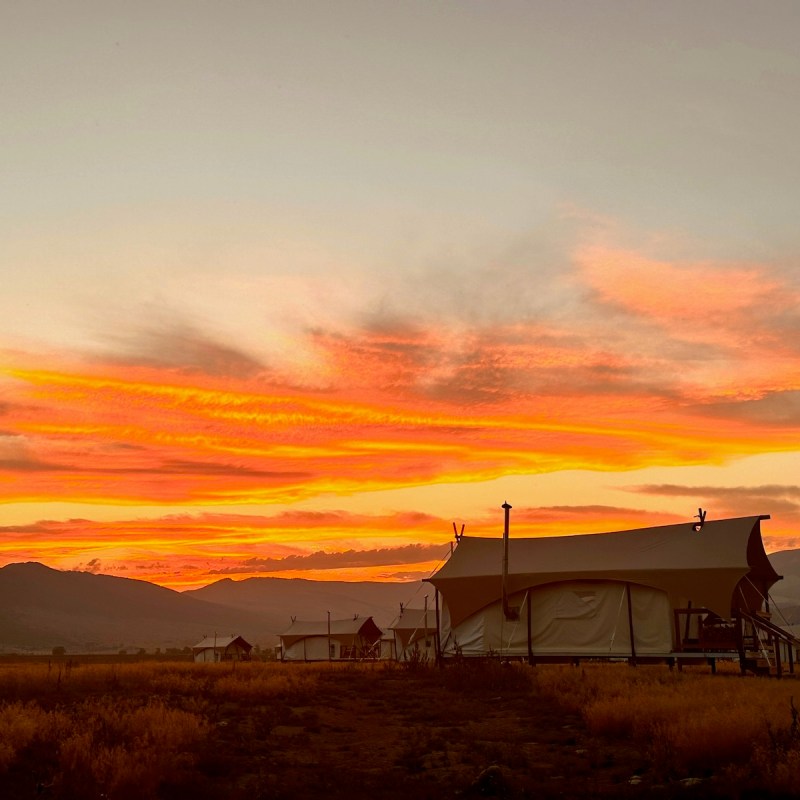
[507, 612]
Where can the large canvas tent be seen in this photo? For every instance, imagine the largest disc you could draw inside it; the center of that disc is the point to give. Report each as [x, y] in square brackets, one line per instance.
[334, 640]
[649, 592]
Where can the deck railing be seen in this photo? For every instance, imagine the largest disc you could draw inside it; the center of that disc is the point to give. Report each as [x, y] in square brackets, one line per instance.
[761, 645]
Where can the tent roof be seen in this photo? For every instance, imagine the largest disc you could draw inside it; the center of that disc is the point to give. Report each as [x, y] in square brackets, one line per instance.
[412, 619]
[704, 566]
[220, 642]
[364, 627]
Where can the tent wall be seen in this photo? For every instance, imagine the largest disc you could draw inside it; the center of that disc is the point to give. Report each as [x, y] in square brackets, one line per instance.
[203, 656]
[581, 618]
[420, 649]
[232, 652]
[387, 652]
[311, 648]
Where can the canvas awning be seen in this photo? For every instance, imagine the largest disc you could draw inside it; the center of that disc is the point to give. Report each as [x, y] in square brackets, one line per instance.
[705, 566]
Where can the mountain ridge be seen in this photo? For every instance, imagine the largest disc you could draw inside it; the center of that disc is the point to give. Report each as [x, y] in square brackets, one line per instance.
[42, 608]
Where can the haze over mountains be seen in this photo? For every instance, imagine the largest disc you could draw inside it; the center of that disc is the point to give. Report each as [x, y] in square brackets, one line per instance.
[41, 608]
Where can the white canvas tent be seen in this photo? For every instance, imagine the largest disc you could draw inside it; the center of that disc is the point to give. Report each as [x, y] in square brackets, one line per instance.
[646, 592]
[337, 640]
[222, 648]
[415, 634]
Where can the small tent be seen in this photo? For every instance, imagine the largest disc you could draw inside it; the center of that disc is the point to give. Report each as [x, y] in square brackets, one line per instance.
[222, 648]
[415, 634]
[337, 640]
[648, 592]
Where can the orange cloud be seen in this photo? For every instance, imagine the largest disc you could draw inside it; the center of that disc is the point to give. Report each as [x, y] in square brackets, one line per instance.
[691, 293]
[186, 551]
[401, 410]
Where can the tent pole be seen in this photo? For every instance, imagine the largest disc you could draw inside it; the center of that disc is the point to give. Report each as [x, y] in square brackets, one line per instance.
[438, 639]
[630, 624]
[425, 622]
[528, 615]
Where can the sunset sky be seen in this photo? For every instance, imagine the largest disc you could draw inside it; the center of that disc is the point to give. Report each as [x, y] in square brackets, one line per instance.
[291, 287]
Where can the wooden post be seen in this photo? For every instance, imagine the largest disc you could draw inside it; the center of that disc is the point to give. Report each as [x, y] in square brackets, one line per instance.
[687, 629]
[776, 647]
[329, 636]
[740, 641]
[630, 624]
[678, 640]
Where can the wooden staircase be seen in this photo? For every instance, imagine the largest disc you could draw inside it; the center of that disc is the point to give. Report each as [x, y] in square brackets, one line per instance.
[763, 648]
[766, 648]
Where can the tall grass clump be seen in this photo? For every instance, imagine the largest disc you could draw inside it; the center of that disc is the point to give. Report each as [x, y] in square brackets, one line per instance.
[22, 725]
[689, 724]
[486, 675]
[119, 750]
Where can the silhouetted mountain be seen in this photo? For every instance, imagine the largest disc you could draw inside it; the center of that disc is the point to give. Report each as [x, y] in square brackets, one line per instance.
[41, 608]
[786, 593]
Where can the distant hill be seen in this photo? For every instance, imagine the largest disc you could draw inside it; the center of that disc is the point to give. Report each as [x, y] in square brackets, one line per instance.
[41, 608]
[786, 593]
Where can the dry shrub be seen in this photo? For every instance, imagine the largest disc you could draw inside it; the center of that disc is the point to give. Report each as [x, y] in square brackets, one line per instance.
[252, 688]
[20, 725]
[486, 675]
[255, 682]
[687, 722]
[124, 751]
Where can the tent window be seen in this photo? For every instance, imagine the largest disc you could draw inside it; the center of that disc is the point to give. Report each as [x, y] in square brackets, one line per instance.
[576, 605]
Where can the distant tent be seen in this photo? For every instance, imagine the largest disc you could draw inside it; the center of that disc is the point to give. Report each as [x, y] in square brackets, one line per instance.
[343, 640]
[222, 648]
[415, 634]
[648, 592]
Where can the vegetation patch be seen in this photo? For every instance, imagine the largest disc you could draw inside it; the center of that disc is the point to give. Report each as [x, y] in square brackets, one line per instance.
[175, 731]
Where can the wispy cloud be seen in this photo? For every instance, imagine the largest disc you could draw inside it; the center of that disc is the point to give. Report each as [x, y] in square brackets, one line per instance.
[320, 560]
[733, 500]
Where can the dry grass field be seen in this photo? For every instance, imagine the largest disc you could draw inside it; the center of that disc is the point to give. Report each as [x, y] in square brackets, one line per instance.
[266, 730]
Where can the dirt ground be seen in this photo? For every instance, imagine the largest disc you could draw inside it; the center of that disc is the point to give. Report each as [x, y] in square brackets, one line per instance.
[422, 734]
[381, 730]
